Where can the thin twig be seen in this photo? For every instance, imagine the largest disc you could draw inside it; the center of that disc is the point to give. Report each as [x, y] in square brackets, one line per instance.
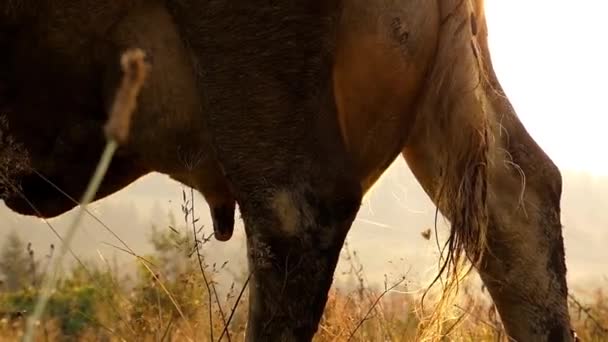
[352, 334]
[160, 310]
[39, 214]
[219, 306]
[200, 262]
[479, 319]
[165, 334]
[587, 311]
[234, 307]
[173, 301]
[94, 321]
[119, 293]
[138, 257]
[105, 226]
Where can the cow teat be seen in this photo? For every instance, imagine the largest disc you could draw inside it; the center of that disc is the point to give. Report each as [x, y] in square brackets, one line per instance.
[223, 220]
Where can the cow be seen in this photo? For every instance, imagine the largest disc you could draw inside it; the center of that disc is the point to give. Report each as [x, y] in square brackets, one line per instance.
[294, 109]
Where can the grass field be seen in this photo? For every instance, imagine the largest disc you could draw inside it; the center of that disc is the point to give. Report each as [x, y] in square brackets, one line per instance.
[168, 300]
[174, 296]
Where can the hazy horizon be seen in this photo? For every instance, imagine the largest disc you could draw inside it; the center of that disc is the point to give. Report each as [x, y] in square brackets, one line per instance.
[392, 217]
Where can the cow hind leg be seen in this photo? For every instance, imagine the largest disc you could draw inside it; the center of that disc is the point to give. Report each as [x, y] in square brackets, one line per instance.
[523, 262]
[500, 191]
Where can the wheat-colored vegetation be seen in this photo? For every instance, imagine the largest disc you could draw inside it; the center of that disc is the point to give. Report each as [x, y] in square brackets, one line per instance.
[173, 296]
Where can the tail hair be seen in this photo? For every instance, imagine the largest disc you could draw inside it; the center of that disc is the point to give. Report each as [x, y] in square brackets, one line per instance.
[462, 190]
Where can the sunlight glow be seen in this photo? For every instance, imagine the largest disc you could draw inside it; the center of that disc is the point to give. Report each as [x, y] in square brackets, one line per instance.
[552, 60]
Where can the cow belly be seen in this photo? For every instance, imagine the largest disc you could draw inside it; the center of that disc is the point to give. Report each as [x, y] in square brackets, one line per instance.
[383, 51]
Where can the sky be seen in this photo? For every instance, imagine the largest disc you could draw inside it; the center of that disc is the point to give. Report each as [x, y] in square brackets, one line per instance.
[551, 57]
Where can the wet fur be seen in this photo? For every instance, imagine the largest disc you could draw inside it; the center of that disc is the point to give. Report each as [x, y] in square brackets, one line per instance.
[461, 182]
[500, 192]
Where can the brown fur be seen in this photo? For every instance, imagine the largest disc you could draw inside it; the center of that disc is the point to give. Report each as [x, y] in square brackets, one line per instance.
[499, 190]
[453, 106]
[294, 109]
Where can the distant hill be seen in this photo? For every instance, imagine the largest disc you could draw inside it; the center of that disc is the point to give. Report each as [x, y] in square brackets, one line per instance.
[386, 234]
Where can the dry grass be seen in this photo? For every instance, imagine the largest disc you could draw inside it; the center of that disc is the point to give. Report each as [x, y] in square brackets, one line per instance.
[173, 298]
[394, 318]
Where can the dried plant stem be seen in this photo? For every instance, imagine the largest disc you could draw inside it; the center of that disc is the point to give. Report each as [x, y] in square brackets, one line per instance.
[50, 278]
[117, 130]
[202, 268]
[92, 215]
[46, 222]
[587, 311]
[210, 284]
[234, 307]
[497, 329]
[362, 320]
[135, 71]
